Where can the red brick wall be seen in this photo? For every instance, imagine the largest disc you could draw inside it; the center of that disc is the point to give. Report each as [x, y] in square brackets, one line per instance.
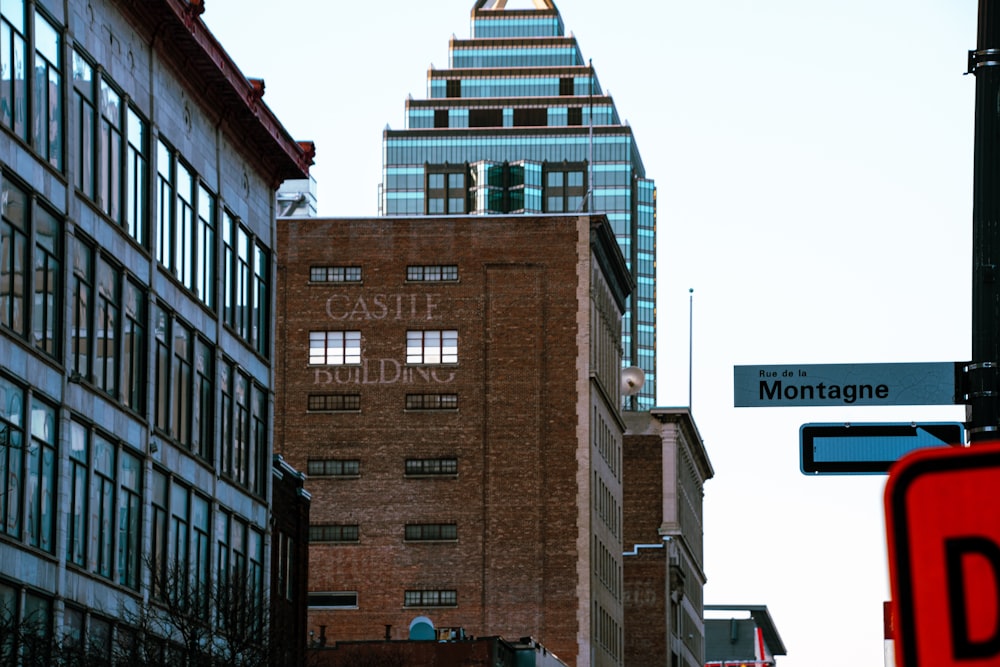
[515, 498]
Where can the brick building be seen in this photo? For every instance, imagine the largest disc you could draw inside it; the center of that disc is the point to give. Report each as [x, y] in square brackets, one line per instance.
[451, 388]
[666, 467]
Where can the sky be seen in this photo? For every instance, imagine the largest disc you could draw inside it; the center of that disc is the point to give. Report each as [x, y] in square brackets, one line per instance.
[813, 162]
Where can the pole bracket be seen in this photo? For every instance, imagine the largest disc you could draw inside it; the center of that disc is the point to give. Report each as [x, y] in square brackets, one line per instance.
[983, 58]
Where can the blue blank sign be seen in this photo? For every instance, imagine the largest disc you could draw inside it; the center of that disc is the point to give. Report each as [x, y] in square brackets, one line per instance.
[852, 448]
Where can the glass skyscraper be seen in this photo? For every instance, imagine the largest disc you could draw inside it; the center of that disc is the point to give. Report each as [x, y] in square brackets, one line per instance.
[518, 123]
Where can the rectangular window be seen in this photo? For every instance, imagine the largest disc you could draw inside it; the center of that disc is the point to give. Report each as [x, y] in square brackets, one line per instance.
[83, 308]
[14, 273]
[442, 466]
[107, 323]
[110, 173]
[186, 226]
[441, 598]
[47, 277]
[204, 260]
[432, 273]
[333, 402]
[431, 532]
[11, 456]
[136, 177]
[333, 467]
[129, 525]
[261, 334]
[25, 271]
[47, 98]
[133, 366]
[203, 396]
[432, 401]
[432, 347]
[200, 549]
[574, 116]
[84, 119]
[159, 553]
[336, 600]
[335, 274]
[103, 508]
[179, 568]
[13, 63]
[40, 473]
[79, 456]
[333, 533]
[165, 168]
[334, 348]
[259, 455]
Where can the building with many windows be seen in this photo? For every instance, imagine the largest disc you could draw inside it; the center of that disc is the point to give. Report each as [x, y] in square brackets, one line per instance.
[518, 123]
[451, 388]
[137, 250]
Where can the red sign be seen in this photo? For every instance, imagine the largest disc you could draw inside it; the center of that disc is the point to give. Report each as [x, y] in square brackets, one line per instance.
[942, 508]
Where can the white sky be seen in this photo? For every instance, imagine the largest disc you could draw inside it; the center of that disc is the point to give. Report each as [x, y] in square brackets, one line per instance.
[814, 170]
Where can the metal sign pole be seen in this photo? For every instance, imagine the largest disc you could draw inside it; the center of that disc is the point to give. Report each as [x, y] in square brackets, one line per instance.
[984, 62]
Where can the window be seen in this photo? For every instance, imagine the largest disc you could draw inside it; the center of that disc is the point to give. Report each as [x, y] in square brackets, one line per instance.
[432, 347]
[574, 116]
[333, 533]
[47, 111]
[337, 600]
[333, 402]
[14, 79]
[443, 598]
[133, 366]
[27, 508]
[246, 278]
[564, 189]
[243, 428]
[443, 466]
[431, 531]
[335, 274]
[184, 373]
[108, 348]
[566, 86]
[107, 323]
[432, 401]
[333, 467]
[432, 273]
[109, 134]
[334, 348]
[446, 191]
[186, 226]
[453, 88]
[34, 272]
[104, 518]
[440, 118]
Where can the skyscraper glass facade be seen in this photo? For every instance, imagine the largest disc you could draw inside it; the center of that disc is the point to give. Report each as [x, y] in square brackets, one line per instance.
[519, 123]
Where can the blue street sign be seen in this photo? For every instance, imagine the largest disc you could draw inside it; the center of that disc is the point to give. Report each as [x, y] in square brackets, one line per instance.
[852, 448]
[793, 385]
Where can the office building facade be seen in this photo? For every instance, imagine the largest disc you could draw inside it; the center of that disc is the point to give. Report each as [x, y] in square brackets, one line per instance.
[519, 124]
[450, 386]
[137, 247]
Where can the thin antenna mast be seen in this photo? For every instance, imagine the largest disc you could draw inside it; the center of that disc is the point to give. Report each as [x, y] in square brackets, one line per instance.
[690, 341]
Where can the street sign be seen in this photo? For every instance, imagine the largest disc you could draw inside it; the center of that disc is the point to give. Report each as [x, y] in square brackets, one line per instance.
[941, 509]
[845, 449]
[792, 385]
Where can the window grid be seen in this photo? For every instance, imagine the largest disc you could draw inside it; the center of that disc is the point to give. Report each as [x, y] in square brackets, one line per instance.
[432, 273]
[333, 533]
[438, 598]
[333, 402]
[333, 467]
[442, 466]
[335, 274]
[432, 401]
[432, 347]
[416, 532]
[334, 348]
